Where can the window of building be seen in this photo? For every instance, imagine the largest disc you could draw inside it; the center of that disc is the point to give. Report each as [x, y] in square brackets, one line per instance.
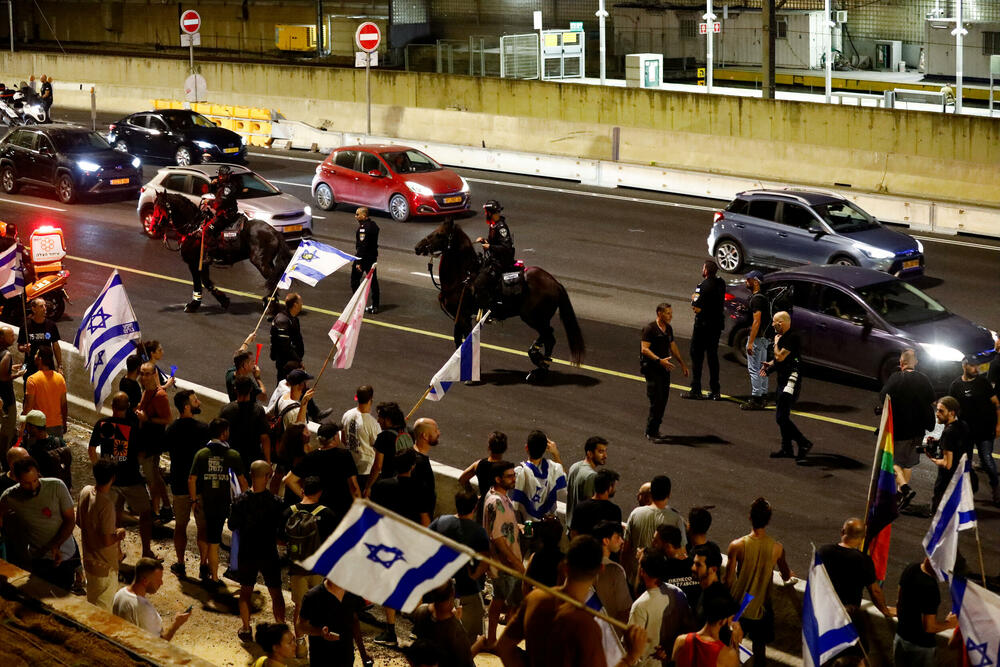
[991, 43]
[781, 29]
[689, 29]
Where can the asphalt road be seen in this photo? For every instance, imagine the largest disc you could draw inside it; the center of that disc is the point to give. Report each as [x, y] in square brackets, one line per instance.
[619, 253]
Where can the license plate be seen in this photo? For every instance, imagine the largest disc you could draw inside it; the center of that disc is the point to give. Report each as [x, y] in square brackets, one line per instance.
[119, 181]
[911, 263]
[292, 228]
[230, 150]
[452, 200]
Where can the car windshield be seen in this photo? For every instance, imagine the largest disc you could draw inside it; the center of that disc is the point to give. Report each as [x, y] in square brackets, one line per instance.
[183, 121]
[78, 142]
[410, 162]
[900, 303]
[844, 217]
[253, 186]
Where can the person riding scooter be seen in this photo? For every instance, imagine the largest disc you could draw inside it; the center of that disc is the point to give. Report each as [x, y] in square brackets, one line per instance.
[498, 254]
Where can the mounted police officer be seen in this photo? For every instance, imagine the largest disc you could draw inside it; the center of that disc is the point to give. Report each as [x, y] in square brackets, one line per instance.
[498, 254]
[224, 208]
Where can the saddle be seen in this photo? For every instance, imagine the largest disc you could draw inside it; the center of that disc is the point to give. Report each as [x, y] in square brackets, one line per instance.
[227, 242]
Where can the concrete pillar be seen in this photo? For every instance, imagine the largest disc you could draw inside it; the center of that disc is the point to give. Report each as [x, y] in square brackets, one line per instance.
[767, 45]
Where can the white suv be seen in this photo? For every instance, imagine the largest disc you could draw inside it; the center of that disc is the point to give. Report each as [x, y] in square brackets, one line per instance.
[257, 199]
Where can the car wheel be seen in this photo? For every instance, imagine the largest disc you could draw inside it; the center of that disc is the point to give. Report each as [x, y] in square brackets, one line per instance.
[8, 180]
[399, 208]
[843, 260]
[729, 256]
[184, 157]
[324, 197]
[66, 188]
[146, 220]
[120, 145]
[740, 338]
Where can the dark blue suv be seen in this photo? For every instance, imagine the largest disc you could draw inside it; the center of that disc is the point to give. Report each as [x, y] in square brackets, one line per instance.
[859, 320]
[783, 228]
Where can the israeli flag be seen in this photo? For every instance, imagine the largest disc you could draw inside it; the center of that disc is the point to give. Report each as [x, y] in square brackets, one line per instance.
[11, 272]
[105, 336]
[312, 262]
[826, 628]
[463, 365]
[384, 558]
[955, 512]
[979, 619]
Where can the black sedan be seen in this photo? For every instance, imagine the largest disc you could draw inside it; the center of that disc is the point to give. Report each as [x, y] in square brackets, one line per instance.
[177, 135]
[71, 160]
[858, 320]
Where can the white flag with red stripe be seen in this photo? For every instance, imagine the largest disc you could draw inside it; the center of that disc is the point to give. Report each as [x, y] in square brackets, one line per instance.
[346, 329]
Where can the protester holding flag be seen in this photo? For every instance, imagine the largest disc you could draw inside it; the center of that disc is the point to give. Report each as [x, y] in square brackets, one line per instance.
[919, 598]
[954, 442]
[827, 630]
[366, 246]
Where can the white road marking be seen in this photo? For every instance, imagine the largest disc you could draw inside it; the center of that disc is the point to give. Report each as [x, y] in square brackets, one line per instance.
[967, 244]
[24, 203]
[301, 185]
[319, 217]
[602, 195]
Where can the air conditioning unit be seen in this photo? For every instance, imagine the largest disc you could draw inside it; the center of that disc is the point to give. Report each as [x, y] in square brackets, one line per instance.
[841, 16]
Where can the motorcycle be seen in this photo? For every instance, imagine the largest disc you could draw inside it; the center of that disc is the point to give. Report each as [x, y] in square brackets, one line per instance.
[42, 267]
[28, 106]
[8, 116]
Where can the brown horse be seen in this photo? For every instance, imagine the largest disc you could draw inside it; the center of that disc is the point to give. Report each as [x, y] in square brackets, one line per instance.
[543, 295]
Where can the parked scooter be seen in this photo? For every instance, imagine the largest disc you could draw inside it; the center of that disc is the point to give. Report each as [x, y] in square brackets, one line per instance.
[28, 105]
[44, 275]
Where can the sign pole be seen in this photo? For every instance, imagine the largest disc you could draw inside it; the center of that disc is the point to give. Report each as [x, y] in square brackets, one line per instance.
[709, 55]
[829, 53]
[368, 86]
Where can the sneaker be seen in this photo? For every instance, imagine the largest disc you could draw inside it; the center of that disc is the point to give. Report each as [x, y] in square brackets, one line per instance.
[370, 662]
[714, 396]
[301, 648]
[755, 403]
[906, 497]
[804, 448]
[387, 638]
[203, 573]
[245, 636]
[693, 396]
[178, 569]
[655, 437]
[783, 453]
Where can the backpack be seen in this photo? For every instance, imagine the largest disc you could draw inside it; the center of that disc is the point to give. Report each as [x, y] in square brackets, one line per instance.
[404, 440]
[276, 422]
[302, 532]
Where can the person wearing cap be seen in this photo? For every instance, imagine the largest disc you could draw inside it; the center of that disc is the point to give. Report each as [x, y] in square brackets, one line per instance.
[498, 253]
[298, 396]
[758, 341]
[286, 335]
[334, 465]
[366, 248]
[53, 456]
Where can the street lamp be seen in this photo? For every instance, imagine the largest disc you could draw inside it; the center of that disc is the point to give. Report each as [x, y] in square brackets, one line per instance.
[601, 15]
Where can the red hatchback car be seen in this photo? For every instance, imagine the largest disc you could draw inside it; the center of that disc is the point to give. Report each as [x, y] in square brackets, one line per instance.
[397, 179]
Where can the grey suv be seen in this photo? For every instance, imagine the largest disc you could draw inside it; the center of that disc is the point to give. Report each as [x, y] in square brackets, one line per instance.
[784, 228]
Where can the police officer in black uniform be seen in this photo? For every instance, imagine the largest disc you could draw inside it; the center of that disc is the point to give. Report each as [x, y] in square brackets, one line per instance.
[366, 249]
[498, 254]
[224, 207]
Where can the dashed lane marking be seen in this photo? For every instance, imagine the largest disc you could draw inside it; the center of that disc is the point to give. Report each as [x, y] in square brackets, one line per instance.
[433, 334]
[24, 203]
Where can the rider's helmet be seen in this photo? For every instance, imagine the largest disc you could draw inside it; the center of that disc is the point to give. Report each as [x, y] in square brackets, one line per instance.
[491, 207]
[224, 172]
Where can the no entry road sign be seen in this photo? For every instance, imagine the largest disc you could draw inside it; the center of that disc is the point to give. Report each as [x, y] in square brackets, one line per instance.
[368, 37]
[190, 21]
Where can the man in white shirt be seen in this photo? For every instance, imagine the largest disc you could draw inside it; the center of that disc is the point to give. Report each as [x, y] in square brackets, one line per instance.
[538, 479]
[358, 432]
[131, 604]
[650, 608]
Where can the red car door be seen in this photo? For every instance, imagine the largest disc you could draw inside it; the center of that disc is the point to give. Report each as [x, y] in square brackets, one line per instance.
[339, 173]
[372, 182]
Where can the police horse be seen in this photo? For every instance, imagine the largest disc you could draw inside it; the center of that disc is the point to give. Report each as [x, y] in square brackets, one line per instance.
[540, 296]
[178, 221]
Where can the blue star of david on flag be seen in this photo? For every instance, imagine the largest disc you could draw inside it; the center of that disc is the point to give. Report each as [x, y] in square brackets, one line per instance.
[98, 320]
[98, 360]
[386, 558]
[312, 262]
[979, 619]
[983, 659]
[376, 553]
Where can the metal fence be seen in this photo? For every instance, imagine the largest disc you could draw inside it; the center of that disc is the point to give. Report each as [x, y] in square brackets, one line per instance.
[519, 56]
[479, 55]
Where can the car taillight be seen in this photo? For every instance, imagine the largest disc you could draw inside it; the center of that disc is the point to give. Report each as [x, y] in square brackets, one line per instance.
[717, 217]
[729, 297]
[142, 189]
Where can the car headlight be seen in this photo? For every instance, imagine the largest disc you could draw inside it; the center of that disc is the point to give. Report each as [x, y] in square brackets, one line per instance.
[994, 334]
[204, 144]
[942, 352]
[87, 165]
[136, 162]
[243, 139]
[920, 246]
[465, 185]
[250, 213]
[419, 188]
[873, 252]
[309, 210]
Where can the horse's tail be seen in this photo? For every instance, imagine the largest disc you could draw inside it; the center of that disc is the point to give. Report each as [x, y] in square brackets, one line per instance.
[572, 326]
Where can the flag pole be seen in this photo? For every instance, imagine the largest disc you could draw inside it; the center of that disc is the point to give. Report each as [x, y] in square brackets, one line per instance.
[876, 464]
[419, 403]
[319, 375]
[267, 304]
[979, 548]
[475, 555]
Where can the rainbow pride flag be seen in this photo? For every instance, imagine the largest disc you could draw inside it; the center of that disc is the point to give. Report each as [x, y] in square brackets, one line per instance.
[882, 504]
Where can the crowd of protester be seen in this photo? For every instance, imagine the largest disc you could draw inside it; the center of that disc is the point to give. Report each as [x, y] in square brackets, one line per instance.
[663, 593]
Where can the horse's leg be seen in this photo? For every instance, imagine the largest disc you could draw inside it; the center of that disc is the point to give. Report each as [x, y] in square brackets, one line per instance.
[264, 262]
[219, 295]
[195, 301]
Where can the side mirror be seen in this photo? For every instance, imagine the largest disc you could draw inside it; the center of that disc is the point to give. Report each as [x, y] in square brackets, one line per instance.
[866, 325]
[44, 150]
[816, 228]
[375, 173]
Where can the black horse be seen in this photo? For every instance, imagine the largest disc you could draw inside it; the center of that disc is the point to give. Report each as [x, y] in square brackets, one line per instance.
[542, 296]
[255, 240]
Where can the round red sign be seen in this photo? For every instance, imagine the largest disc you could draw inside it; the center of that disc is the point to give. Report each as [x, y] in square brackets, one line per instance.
[190, 21]
[368, 37]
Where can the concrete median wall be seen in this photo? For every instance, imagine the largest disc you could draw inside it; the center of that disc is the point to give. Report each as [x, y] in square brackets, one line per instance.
[916, 154]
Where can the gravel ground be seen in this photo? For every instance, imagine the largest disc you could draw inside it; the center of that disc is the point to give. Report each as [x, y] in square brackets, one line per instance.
[210, 633]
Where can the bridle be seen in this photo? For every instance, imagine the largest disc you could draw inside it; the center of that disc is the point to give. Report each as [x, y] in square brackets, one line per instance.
[437, 254]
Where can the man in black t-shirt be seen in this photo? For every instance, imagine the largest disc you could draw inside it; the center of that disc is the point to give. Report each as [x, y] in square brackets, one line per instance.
[326, 617]
[184, 437]
[599, 507]
[707, 302]
[917, 604]
[249, 433]
[787, 364]
[334, 466]
[38, 331]
[912, 397]
[114, 438]
[402, 493]
[130, 381]
[657, 353]
[979, 407]
[954, 442]
[758, 341]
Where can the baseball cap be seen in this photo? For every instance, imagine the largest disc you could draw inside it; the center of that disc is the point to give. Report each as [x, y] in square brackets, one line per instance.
[753, 275]
[298, 376]
[35, 418]
[328, 430]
